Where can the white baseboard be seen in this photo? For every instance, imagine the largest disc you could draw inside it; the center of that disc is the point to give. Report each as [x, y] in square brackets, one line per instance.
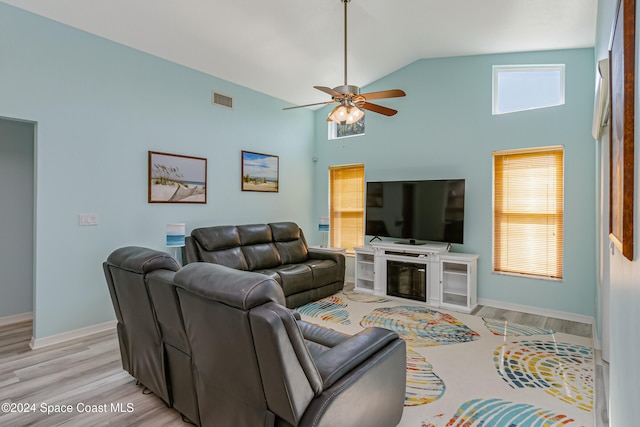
[537, 310]
[37, 343]
[16, 318]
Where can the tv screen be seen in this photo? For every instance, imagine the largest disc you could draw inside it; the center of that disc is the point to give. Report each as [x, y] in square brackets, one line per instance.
[430, 210]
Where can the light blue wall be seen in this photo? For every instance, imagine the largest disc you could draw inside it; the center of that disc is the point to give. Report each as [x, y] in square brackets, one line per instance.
[100, 107]
[16, 217]
[445, 129]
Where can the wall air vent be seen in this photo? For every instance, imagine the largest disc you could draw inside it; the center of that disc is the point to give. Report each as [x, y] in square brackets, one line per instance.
[222, 100]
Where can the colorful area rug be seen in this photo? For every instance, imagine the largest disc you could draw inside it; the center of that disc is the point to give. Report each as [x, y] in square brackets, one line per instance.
[466, 371]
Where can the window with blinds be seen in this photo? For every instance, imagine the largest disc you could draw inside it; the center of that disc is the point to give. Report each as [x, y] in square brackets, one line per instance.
[346, 206]
[528, 212]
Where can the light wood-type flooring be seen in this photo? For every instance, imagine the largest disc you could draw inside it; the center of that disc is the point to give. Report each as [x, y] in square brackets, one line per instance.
[567, 327]
[82, 383]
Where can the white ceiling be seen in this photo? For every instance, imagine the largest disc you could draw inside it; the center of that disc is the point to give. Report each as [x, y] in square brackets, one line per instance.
[285, 47]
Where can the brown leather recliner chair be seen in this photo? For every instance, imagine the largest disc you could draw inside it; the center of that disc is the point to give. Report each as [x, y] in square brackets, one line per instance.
[256, 365]
[153, 345]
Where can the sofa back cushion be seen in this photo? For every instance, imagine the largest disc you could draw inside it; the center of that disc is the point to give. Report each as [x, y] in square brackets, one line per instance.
[251, 247]
[217, 237]
[232, 257]
[257, 246]
[289, 242]
[220, 245]
[215, 303]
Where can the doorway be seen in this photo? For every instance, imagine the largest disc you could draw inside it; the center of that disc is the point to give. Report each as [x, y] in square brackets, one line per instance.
[17, 210]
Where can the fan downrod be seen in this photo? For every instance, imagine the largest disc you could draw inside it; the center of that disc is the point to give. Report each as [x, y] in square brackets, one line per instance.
[349, 95]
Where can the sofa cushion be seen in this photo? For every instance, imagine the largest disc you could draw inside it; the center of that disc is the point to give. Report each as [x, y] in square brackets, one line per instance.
[289, 242]
[294, 278]
[142, 260]
[293, 252]
[261, 256]
[232, 257]
[319, 339]
[239, 289]
[285, 231]
[252, 234]
[324, 271]
[218, 237]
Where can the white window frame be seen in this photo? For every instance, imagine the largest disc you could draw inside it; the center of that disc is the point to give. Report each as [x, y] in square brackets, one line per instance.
[497, 69]
[333, 131]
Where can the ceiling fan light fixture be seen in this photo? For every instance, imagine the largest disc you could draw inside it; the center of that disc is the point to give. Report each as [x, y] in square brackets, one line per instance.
[339, 114]
[354, 114]
[345, 113]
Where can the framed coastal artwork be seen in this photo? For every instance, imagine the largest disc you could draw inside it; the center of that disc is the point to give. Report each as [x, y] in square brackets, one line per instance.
[174, 178]
[260, 172]
[621, 154]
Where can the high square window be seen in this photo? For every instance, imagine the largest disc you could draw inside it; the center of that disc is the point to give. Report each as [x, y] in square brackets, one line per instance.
[527, 87]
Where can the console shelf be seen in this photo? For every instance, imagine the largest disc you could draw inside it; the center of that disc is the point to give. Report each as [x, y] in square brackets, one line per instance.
[458, 281]
[364, 270]
[447, 279]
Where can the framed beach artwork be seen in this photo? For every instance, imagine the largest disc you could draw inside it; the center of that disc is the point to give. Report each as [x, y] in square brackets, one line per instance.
[260, 172]
[621, 166]
[174, 178]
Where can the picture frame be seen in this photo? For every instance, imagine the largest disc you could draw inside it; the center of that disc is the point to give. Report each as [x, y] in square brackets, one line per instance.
[260, 172]
[621, 146]
[176, 178]
[344, 130]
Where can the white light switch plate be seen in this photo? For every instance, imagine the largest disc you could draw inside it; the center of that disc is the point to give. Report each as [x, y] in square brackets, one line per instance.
[88, 219]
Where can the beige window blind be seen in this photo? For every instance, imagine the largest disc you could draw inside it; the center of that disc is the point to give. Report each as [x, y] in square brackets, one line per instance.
[346, 206]
[528, 212]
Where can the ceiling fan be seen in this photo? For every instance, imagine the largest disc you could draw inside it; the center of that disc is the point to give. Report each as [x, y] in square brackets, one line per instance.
[351, 101]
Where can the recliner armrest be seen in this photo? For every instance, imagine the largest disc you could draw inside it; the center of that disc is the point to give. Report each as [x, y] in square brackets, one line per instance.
[335, 256]
[335, 363]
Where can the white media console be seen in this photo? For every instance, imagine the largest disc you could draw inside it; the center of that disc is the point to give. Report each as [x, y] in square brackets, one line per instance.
[423, 272]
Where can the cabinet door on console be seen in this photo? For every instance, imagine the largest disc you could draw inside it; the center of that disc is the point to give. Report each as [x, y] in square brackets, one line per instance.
[458, 287]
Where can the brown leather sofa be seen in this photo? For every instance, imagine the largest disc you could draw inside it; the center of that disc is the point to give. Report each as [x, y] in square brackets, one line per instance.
[256, 365]
[278, 250]
[219, 346]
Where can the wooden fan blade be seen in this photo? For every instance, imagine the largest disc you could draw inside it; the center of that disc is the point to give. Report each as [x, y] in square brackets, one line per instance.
[310, 105]
[377, 109]
[330, 91]
[393, 93]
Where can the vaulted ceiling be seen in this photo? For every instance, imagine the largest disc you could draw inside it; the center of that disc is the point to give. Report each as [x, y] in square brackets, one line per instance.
[285, 47]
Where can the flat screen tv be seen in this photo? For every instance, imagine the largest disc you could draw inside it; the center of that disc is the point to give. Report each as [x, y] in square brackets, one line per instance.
[430, 210]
